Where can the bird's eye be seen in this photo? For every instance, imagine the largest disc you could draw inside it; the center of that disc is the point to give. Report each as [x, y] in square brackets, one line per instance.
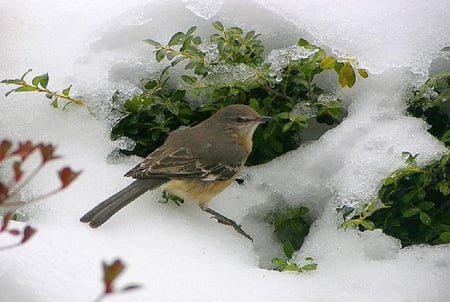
[239, 120]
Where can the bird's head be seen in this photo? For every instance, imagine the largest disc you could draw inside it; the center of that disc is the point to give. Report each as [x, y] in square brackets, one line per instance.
[240, 120]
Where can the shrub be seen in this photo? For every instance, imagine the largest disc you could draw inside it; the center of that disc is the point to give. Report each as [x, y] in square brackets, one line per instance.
[431, 102]
[415, 204]
[228, 68]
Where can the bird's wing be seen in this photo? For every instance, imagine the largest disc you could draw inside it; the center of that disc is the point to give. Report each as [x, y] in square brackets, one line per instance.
[180, 163]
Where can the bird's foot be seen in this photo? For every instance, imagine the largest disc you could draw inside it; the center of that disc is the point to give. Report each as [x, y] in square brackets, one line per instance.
[225, 220]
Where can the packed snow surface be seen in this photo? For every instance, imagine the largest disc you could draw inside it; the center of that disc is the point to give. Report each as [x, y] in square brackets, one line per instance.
[178, 253]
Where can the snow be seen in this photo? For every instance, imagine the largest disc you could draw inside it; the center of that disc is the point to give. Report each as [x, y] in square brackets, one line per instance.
[178, 253]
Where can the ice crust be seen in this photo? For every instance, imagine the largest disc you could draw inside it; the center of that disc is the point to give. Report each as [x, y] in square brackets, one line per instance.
[179, 253]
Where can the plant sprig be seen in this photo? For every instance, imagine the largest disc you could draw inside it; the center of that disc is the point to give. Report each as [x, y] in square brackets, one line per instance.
[110, 274]
[10, 189]
[362, 221]
[285, 264]
[24, 235]
[39, 84]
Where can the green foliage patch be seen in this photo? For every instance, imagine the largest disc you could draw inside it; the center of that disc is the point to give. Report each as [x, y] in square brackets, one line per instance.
[290, 227]
[416, 204]
[227, 68]
[431, 102]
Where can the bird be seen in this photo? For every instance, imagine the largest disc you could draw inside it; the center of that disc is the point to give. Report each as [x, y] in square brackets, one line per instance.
[194, 163]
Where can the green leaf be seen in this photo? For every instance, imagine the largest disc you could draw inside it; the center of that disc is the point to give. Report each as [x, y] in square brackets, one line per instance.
[151, 84]
[309, 267]
[288, 249]
[66, 91]
[302, 42]
[24, 75]
[250, 35]
[410, 212]
[188, 79]
[287, 126]
[177, 60]
[302, 121]
[173, 108]
[41, 80]
[26, 88]
[235, 30]
[13, 81]
[191, 30]
[425, 218]
[425, 205]
[328, 63]
[281, 263]
[367, 224]
[292, 267]
[177, 39]
[218, 25]
[55, 104]
[444, 188]
[171, 55]
[347, 77]
[9, 92]
[160, 55]
[445, 237]
[197, 40]
[363, 73]
[152, 43]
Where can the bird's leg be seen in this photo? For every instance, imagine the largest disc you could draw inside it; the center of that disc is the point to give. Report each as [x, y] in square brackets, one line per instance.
[225, 220]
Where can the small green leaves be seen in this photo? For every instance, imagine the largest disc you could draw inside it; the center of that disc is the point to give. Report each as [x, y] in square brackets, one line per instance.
[362, 220]
[418, 211]
[39, 84]
[429, 102]
[283, 265]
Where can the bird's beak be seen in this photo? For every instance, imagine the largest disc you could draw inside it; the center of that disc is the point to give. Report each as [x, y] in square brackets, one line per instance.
[265, 119]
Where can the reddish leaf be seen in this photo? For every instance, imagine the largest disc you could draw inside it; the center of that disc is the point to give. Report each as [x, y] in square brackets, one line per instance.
[4, 148]
[24, 149]
[3, 192]
[110, 273]
[47, 152]
[14, 232]
[66, 175]
[28, 232]
[6, 218]
[17, 171]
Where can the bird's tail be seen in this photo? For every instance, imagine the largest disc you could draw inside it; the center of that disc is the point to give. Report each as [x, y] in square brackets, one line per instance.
[104, 210]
